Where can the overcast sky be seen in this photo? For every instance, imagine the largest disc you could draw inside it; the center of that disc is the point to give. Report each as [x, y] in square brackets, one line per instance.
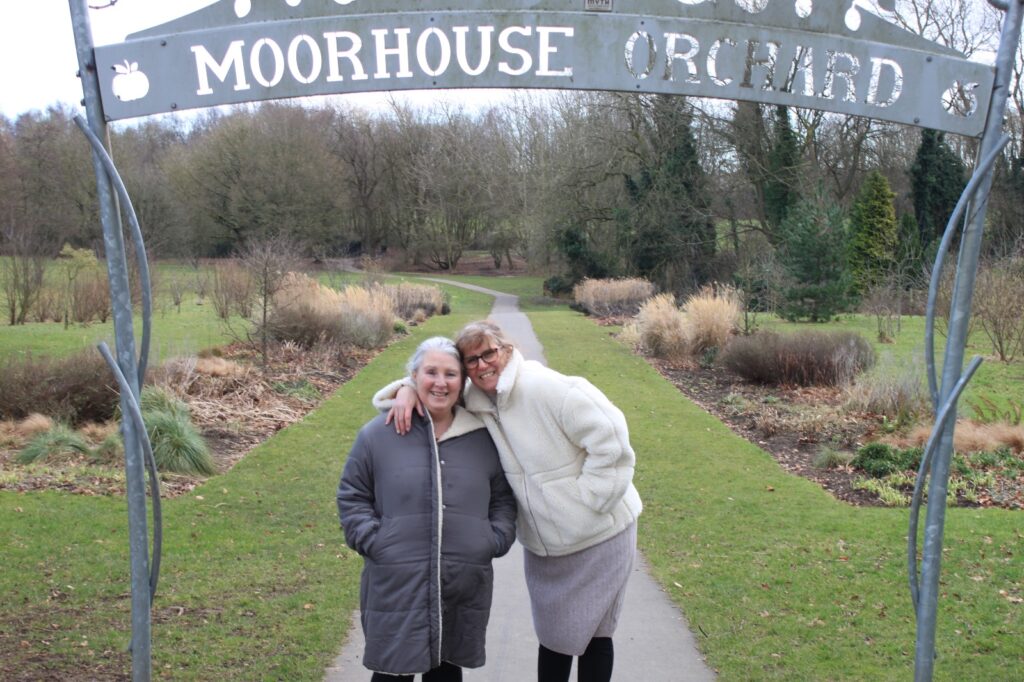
[38, 62]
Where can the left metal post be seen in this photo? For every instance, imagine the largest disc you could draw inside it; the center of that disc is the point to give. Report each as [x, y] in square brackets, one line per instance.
[124, 337]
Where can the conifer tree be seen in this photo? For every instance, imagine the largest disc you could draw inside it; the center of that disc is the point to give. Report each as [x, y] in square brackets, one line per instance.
[873, 233]
[782, 179]
[814, 257]
[937, 178]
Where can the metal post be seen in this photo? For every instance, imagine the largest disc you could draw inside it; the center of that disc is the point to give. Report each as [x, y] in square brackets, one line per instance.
[120, 294]
[960, 312]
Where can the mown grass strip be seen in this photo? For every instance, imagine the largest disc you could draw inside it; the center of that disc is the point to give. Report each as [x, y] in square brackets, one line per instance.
[256, 581]
[777, 579]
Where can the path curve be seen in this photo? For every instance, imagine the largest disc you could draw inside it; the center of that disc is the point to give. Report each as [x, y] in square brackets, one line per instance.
[653, 642]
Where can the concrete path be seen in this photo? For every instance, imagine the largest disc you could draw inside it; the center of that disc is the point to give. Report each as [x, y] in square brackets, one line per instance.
[653, 642]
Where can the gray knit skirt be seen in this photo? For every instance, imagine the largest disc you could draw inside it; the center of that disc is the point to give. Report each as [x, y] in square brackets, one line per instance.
[579, 596]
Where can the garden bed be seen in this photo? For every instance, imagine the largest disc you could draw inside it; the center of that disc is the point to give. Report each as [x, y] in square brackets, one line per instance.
[233, 402]
[793, 424]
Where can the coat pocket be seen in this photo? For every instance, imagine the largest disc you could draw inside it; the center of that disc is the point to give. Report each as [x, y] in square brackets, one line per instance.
[567, 517]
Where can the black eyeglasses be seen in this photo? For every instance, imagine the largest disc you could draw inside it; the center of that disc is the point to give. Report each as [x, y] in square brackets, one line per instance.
[487, 356]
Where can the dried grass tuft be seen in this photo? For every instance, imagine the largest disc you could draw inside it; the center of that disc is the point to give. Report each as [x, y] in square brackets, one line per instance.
[219, 367]
[712, 314]
[609, 297]
[663, 330]
[97, 433]
[33, 425]
[970, 436]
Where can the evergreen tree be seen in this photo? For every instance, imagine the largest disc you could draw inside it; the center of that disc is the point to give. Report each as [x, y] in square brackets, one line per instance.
[782, 178]
[873, 233]
[670, 238]
[813, 254]
[937, 178]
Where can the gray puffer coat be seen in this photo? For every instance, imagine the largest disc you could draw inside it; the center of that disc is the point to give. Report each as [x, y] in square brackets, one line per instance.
[427, 519]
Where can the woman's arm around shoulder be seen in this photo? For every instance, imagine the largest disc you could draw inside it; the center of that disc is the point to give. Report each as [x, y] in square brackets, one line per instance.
[398, 404]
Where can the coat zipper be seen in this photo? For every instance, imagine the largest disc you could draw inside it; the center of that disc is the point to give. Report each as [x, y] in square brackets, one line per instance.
[440, 528]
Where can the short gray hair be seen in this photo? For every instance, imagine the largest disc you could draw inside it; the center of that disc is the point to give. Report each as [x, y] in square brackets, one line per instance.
[438, 343]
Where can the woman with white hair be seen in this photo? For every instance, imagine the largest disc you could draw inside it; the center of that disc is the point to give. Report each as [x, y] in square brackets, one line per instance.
[428, 512]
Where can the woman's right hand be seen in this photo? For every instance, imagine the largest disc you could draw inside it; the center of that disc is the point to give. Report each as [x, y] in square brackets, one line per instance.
[401, 410]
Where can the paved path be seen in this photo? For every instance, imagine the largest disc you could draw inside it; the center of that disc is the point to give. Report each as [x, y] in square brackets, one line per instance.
[653, 642]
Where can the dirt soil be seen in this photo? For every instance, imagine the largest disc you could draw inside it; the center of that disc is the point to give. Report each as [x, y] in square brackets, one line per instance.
[789, 423]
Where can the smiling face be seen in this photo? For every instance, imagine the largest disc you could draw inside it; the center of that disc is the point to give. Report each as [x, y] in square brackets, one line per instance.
[482, 369]
[438, 382]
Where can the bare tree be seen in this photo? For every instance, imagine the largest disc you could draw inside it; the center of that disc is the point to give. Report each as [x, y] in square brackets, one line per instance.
[269, 260]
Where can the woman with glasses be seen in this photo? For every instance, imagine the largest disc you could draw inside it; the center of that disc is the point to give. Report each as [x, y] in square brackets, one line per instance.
[428, 512]
[566, 454]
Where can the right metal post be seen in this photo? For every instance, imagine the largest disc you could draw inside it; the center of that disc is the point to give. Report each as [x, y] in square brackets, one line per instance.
[960, 311]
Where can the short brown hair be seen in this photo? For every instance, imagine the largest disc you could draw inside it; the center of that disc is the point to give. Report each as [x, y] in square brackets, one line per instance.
[475, 333]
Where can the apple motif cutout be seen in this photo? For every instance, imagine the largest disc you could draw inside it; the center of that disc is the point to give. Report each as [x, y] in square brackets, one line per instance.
[129, 84]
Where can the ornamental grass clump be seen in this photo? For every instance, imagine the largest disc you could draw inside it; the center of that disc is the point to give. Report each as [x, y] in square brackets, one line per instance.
[178, 446]
[662, 328]
[802, 359]
[612, 297]
[58, 442]
[712, 315]
[410, 300]
[306, 312]
[893, 391]
[368, 317]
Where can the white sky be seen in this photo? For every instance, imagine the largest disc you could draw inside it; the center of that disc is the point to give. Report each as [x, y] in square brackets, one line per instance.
[38, 61]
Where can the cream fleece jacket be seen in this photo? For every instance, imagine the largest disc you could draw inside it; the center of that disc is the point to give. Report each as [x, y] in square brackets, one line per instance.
[565, 451]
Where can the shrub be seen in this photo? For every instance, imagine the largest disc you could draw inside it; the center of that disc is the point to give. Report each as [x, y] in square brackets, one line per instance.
[76, 389]
[608, 297]
[367, 317]
[662, 328]
[177, 445]
[895, 392]
[711, 315]
[233, 290]
[999, 306]
[306, 312]
[558, 285]
[411, 300]
[90, 297]
[58, 441]
[877, 460]
[804, 359]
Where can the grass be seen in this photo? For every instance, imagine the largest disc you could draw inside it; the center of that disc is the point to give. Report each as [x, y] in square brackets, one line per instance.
[777, 578]
[256, 581]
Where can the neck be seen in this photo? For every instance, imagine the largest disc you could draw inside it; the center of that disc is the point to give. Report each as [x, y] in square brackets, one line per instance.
[442, 420]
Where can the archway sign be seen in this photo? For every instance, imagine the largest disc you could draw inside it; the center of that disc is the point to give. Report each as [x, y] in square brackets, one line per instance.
[842, 56]
[839, 56]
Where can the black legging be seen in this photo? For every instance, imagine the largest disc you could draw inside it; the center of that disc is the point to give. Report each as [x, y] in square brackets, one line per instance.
[595, 665]
[446, 672]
